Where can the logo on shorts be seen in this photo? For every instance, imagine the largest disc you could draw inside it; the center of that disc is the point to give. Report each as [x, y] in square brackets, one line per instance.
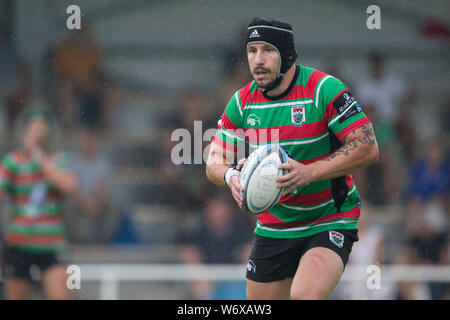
[251, 266]
[336, 238]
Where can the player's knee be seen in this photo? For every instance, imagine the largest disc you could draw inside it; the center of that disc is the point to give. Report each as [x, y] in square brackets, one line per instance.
[55, 276]
[57, 272]
[308, 294]
[56, 286]
[253, 294]
[272, 291]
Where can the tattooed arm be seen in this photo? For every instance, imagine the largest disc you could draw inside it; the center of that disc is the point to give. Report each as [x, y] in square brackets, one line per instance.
[360, 149]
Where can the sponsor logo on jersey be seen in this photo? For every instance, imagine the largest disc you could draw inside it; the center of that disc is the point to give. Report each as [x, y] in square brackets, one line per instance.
[346, 105]
[251, 267]
[350, 113]
[253, 119]
[298, 115]
[337, 238]
[343, 101]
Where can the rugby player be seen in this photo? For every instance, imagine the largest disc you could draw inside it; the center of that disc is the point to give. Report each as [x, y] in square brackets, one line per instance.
[303, 243]
[35, 177]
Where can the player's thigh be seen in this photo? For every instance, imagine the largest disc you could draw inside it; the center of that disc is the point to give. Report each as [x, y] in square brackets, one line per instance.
[16, 288]
[271, 267]
[322, 264]
[15, 266]
[54, 281]
[276, 290]
[317, 275]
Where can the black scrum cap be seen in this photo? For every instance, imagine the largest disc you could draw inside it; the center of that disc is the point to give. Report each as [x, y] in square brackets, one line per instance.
[276, 33]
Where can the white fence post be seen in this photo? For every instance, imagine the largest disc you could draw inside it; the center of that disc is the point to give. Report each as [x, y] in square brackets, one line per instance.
[109, 285]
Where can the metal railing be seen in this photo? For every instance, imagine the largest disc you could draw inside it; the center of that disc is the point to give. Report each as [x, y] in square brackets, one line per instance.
[111, 275]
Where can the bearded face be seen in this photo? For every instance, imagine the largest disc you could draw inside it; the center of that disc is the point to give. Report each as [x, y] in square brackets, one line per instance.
[264, 61]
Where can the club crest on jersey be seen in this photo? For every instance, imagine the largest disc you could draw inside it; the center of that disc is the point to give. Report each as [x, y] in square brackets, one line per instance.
[298, 115]
[337, 238]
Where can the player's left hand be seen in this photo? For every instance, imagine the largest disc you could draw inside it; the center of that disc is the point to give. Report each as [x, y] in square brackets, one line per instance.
[298, 175]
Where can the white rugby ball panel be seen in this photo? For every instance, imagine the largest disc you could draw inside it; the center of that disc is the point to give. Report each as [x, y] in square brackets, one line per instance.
[262, 189]
[258, 177]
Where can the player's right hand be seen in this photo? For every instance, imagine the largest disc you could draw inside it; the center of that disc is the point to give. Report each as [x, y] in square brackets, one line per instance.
[236, 189]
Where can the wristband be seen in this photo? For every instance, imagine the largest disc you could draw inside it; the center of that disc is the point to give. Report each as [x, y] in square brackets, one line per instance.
[231, 171]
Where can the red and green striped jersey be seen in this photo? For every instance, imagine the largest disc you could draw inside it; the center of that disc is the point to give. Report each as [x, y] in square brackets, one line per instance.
[316, 107]
[36, 223]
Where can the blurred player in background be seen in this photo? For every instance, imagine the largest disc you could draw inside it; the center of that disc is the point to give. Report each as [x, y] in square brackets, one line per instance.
[35, 178]
[303, 243]
[85, 95]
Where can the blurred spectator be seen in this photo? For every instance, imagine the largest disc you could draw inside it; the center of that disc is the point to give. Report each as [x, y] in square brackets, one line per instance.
[170, 174]
[429, 246]
[430, 175]
[190, 107]
[368, 250]
[222, 238]
[78, 66]
[236, 71]
[427, 216]
[187, 178]
[14, 81]
[238, 76]
[407, 290]
[383, 96]
[333, 68]
[236, 51]
[92, 203]
[125, 232]
[429, 191]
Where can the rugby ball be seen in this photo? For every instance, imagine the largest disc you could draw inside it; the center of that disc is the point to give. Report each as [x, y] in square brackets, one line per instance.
[258, 178]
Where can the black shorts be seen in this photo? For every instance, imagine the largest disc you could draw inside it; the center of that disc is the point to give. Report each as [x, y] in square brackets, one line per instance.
[17, 263]
[274, 259]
